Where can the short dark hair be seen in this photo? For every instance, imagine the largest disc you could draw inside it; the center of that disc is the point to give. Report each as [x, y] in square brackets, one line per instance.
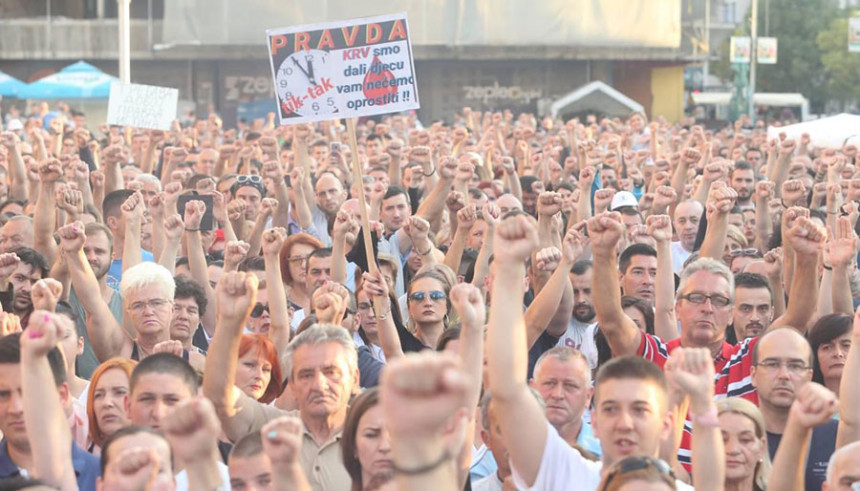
[10, 354]
[252, 263]
[751, 281]
[477, 193]
[165, 363]
[631, 367]
[247, 446]
[113, 200]
[129, 431]
[188, 288]
[526, 183]
[825, 330]
[33, 258]
[634, 250]
[581, 267]
[395, 191]
[742, 165]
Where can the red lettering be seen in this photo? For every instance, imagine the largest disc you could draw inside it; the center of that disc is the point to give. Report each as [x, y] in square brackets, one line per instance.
[374, 33]
[302, 39]
[326, 40]
[398, 31]
[278, 42]
[350, 37]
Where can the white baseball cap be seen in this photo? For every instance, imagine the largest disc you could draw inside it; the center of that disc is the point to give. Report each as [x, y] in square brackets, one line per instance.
[623, 199]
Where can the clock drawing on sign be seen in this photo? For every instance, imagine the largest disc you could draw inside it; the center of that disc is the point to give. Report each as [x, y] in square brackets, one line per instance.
[305, 84]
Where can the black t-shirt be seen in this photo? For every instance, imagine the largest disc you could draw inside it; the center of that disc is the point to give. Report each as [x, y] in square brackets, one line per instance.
[821, 447]
[543, 343]
[408, 342]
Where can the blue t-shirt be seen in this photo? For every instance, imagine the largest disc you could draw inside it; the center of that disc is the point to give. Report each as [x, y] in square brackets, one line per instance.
[115, 272]
[85, 464]
[821, 447]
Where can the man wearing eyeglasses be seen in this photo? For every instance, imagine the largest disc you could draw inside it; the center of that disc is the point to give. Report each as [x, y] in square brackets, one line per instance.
[702, 308]
[781, 365]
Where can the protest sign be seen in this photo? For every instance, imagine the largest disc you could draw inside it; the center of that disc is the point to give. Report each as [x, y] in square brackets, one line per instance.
[142, 106]
[360, 67]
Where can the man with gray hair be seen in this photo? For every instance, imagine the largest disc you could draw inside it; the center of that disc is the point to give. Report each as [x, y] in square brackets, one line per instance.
[322, 368]
[562, 377]
[702, 307]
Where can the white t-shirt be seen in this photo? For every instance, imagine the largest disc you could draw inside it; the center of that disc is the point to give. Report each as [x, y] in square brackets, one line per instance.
[565, 469]
[580, 336]
[489, 483]
[182, 478]
[679, 256]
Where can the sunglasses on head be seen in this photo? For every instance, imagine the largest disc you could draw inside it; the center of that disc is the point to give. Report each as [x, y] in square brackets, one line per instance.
[241, 179]
[745, 253]
[258, 310]
[633, 464]
[435, 295]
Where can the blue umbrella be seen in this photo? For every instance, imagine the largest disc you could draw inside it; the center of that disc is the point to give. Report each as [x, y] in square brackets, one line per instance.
[10, 86]
[78, 81]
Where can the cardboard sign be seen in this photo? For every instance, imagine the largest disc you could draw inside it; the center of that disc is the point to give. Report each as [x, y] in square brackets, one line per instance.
[360, 67]
[142, 106]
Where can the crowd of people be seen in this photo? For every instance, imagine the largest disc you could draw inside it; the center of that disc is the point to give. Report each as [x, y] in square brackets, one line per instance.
[596, 304]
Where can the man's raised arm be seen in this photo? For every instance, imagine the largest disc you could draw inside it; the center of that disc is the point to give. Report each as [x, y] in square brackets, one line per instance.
[236, 294]
[605, 231]
[524, 427]
[806, 239]
[107, 337]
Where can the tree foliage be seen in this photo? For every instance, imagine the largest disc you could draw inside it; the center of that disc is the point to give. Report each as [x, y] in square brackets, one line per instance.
[841, 68]
[800, 67]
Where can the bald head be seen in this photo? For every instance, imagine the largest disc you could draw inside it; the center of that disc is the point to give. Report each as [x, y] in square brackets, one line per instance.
[330, 193]
[844, 468]
[18, 232]
[508, 202]
[784, 342]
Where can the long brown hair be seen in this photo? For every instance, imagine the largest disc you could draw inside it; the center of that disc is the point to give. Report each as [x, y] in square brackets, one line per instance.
[123, 364]
[360, 405]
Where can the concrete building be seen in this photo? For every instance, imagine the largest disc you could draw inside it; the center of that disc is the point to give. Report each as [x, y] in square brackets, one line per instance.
[521, 55]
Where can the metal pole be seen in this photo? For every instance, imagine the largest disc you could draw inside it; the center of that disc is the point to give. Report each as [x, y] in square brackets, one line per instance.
[707, 66]
[753, 57]
[149, 23]
[124, 41]
[767, 18]
[48, 36]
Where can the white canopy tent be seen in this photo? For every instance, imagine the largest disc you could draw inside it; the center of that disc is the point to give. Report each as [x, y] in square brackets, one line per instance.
[759, 99]
[833, 131]
[596, 96]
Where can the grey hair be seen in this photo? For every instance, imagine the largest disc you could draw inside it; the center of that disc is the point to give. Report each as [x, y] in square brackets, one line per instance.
[320, 334]
[565, 353]
[831, 464]
[146, 275]
[150, 179]
[487, 399]
[711, 266]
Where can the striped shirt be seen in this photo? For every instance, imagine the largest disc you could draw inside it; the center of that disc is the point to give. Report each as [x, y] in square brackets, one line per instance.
[732, 379]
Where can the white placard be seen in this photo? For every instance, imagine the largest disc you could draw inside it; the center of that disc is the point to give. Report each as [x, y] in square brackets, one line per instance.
[142, 106]
[360, 67]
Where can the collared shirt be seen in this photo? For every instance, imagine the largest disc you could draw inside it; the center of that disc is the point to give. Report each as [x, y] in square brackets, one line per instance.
[86, 466]
[322, 463]
[732, 379]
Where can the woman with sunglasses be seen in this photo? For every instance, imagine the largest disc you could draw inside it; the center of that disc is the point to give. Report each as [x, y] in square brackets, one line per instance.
[745, 442]
[293, 260]
[427, 300]
[260, 320]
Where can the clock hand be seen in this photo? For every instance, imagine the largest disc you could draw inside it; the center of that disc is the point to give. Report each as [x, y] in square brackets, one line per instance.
[311, 70]
[295, 62]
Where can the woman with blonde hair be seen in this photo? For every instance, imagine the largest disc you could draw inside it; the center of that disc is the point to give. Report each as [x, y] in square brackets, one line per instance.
[745, 440]
[109, 386]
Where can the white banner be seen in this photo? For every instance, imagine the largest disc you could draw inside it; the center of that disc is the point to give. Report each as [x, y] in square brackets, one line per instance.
[766, 48]
[142, 106]
[360, 67]
[854, 35]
